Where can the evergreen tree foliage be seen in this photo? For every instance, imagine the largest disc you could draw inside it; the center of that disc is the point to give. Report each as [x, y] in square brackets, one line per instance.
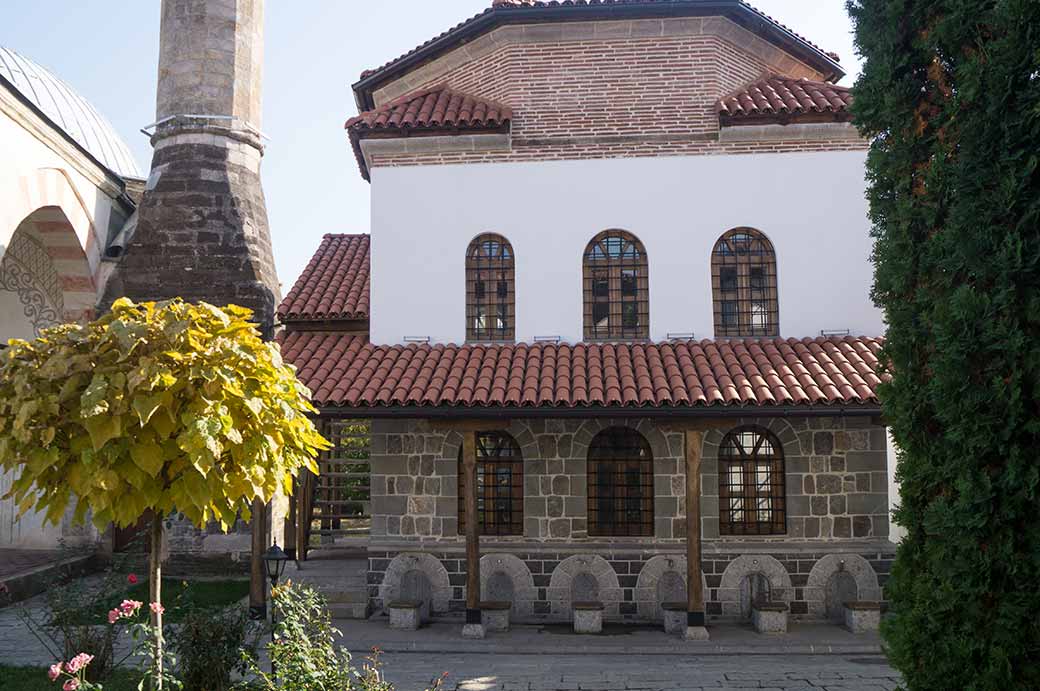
[950, 97]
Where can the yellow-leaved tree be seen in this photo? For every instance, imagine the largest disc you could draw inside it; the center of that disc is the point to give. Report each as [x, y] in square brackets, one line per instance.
[163, 407]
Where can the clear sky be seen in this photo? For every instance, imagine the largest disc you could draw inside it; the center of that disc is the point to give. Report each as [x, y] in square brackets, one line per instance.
[108, 50]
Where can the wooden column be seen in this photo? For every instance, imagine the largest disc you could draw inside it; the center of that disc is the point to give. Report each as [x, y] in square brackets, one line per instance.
[257, 577]
[694, 586]
[469, 467]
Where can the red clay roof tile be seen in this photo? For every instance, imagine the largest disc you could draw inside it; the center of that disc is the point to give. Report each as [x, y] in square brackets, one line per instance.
[335, 284]
[438, 107]
[777, 96]
[349, 372]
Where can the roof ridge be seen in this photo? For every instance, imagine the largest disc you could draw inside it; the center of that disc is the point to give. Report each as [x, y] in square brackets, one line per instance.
[332, 236]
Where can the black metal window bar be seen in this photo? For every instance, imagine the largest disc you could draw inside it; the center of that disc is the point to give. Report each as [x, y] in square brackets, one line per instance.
[743, 281]
[500, 486]
[621, 484]
[617, 304]
[490, 289]
[341, 503]
[752, 498]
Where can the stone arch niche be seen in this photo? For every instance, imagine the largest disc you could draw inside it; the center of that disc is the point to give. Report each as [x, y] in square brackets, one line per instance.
[412, 575]
[750, 577]
[662, 579]
[583, 573]
[836, 579]
[506, 577]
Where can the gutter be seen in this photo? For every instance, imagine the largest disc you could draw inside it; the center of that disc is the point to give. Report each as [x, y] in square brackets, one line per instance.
[543, 412]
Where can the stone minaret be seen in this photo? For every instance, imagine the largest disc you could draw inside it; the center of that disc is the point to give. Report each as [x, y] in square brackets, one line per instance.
[202, 230]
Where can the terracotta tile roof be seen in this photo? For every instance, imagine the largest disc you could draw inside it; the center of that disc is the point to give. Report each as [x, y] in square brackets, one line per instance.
[438, 107]
[335, 284]
[513, 10]
[433, 110]
[349, 372]
[777, 96]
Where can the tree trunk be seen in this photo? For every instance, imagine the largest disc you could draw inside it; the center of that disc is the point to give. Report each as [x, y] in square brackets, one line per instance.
[155, 595]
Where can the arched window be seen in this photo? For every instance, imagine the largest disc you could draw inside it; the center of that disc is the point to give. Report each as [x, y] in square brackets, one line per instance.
[500, 486]
[617, 304]
[743, 282]
[490, 289]
[751, 484]
[621, 484]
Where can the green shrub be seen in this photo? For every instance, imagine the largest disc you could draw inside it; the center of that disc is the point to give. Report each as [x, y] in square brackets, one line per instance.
[950, 95]
[212, 644]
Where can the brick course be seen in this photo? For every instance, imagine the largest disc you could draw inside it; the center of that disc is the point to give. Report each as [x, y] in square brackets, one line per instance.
[609, 89]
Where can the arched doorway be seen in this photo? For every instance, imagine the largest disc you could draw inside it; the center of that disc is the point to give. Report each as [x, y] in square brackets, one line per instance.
[44, 280]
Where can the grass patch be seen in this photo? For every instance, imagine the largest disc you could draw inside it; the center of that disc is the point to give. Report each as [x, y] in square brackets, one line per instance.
[35, 679]
[177, 597]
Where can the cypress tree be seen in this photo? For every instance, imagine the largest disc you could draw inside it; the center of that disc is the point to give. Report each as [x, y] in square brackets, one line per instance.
[950, 97]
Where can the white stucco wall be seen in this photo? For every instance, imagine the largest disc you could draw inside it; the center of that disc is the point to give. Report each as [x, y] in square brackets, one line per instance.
[811, 206]
[39, 170]
[895, 532]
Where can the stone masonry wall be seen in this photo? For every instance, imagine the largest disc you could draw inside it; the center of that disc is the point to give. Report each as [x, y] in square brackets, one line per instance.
[837, 521]
[836, 479]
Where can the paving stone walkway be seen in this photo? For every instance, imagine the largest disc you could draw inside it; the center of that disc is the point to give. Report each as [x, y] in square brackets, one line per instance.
[504, 672]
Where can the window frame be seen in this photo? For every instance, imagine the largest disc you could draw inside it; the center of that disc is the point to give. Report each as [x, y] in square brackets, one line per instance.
[750, 486]
[487, 493]
[606, 288]
[485, 275]
[741, 308]
[598, 481]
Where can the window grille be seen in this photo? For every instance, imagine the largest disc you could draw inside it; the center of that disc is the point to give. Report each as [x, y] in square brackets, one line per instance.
[500, 486]
[490, 289]
[617, 304]
[621, 484]
[743, 278]
[752, 498]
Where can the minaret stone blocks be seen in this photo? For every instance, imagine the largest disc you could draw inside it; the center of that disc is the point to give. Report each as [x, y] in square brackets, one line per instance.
[202, 231]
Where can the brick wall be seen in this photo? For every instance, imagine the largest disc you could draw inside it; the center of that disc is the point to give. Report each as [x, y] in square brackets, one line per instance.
[608, 89]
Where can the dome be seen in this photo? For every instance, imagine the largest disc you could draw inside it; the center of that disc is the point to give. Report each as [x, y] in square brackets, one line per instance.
[69, 111]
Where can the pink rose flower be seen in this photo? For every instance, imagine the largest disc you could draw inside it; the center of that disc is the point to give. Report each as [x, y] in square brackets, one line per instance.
[70, 685]
[113, 616]
[54, 672]
[77, 663]
[157, 608]
[130, 607]
[132, 579]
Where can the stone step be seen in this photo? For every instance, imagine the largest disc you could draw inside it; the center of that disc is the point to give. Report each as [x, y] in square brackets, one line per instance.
[349, 611]
[345, 597]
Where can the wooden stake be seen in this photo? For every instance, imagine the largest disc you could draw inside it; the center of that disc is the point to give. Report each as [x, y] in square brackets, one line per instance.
[155, 594]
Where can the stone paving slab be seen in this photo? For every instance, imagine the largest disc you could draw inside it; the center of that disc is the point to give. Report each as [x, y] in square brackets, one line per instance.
[444, 637]
[592, 672]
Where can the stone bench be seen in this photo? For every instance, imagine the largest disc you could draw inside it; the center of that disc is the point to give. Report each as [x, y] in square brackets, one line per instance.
[862, 617]
[588, 617]
[769, 617]
[495, 615]
[405, 614]
[674, 617]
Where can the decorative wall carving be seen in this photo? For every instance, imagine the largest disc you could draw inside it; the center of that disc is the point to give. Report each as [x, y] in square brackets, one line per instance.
[27, 271]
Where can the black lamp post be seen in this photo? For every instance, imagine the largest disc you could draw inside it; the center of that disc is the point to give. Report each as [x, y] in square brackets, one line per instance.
[274, 564]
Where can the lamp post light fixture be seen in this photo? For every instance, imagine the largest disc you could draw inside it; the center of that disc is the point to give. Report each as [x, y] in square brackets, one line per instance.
[275, 560]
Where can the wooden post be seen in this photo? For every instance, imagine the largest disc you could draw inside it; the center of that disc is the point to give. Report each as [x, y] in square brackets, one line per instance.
[469, 466]
[695, 619]
[257, 577]
[304, 495]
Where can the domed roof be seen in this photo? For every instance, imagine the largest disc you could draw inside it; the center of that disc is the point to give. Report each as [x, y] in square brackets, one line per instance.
[70, 111]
